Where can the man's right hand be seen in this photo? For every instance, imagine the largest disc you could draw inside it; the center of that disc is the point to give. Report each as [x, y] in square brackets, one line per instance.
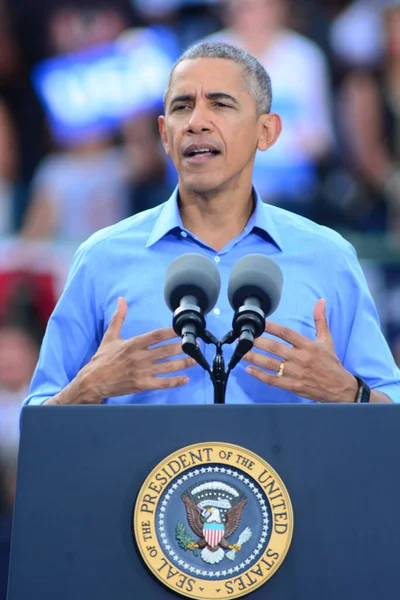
[122, 367]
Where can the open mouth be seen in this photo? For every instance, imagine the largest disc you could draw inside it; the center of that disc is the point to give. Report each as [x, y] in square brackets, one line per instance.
[198, 153]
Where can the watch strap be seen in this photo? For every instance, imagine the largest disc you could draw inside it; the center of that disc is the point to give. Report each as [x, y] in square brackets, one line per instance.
[364, 391]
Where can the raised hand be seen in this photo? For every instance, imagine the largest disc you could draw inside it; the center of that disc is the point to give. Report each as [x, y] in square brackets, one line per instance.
[122, 367]
[307, 368]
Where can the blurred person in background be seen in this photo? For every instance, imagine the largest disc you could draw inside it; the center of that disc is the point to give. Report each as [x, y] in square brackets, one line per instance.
[8, 169]
[356, 34]
[21, 332]
[287, 175]
[151, 175]
[19, 351]
[370, 122]
[78, 190]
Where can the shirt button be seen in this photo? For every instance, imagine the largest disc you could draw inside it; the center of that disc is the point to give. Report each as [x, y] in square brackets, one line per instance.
[217, 259]
[183, 234]
[217, 312]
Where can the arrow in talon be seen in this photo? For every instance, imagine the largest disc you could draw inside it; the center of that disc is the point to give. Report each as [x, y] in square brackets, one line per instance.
[243, 538]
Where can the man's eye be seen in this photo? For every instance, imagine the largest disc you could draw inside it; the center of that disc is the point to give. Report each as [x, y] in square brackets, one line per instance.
[221, 105]
[180, 107]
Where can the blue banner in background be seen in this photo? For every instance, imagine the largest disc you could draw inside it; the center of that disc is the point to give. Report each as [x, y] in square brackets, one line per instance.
[91, 92]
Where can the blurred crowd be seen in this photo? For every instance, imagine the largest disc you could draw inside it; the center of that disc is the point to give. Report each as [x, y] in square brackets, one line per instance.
[335, 69]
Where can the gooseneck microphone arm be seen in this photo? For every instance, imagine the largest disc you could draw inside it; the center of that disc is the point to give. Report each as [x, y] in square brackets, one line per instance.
[248, 324]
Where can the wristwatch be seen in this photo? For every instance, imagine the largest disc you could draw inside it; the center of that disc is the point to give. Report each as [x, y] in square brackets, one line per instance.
[364, 391]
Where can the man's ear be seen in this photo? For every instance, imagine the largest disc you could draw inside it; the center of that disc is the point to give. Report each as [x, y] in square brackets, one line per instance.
[163, 133]
[270, 130]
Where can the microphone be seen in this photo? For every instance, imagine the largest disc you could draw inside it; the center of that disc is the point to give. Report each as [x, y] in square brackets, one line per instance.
[191, 290]
[254, 292]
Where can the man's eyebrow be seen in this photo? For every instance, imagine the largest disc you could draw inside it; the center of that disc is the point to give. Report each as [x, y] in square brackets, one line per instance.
[210, 96]
[222, 96]
[183, 98]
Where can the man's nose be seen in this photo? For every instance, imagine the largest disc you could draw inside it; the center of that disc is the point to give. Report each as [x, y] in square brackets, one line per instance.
[199, 120]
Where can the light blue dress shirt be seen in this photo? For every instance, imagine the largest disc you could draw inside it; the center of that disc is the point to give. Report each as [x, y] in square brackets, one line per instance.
[130, 259]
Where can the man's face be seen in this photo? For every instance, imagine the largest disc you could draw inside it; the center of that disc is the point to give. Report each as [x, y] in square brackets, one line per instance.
[211, 129]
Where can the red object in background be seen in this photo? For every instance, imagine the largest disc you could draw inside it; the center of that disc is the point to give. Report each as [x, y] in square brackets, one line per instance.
[38, 287]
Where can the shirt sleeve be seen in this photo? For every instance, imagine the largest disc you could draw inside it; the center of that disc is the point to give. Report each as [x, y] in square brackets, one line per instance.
[355, 325]
[73, 333]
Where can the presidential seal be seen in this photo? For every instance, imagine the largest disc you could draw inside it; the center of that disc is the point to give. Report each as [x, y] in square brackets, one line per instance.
[213, 520]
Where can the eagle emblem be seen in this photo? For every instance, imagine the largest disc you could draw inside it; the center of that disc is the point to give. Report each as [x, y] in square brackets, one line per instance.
[207, 522]
[214, 511]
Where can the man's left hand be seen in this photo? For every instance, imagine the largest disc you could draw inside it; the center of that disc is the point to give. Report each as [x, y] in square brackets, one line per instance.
[307, 368]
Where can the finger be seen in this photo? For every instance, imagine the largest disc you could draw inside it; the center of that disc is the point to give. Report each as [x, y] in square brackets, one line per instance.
[163, 383]
[265, 362]
[288, 335]
[321, 322]
[285, 383]
[154, 337]
[274, 347]
[114, 329]
[165, 351]
[172, 366]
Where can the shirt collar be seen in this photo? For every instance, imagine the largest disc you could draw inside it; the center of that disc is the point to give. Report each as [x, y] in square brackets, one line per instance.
[262, 220]
[169, 220]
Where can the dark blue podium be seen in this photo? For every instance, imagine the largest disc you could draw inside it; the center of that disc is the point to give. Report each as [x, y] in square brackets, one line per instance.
[81, 468]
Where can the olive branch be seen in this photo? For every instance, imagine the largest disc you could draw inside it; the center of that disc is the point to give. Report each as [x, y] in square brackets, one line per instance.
[184, 539]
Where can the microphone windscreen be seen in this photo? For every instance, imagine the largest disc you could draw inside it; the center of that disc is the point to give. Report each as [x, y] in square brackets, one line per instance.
[192, 275]
[256, 275]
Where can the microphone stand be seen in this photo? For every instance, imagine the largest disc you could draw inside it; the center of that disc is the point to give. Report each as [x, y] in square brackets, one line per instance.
[218, 374]
[247, 325]
[189, 323]
[245, 329]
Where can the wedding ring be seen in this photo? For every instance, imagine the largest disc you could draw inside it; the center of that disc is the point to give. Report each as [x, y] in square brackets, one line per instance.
[281, 369]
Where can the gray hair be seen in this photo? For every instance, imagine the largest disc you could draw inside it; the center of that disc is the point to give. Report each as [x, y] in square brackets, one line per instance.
[258, 81]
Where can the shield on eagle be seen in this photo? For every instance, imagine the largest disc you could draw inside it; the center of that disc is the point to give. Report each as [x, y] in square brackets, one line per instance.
[213, 533]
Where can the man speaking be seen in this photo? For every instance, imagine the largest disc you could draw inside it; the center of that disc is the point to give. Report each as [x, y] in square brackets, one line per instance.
[109, 340]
